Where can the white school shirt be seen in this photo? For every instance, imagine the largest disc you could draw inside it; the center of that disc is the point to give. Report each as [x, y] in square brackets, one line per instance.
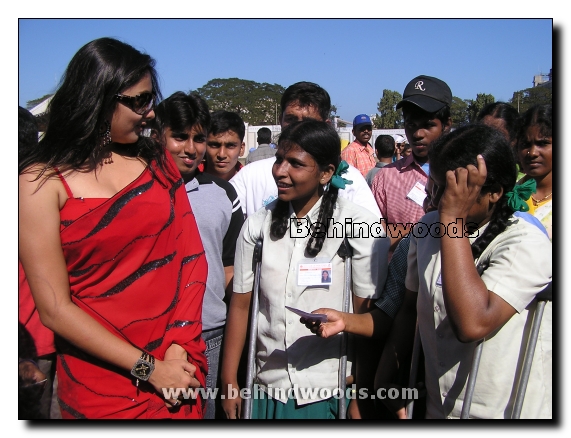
[288, 353]
[256, 187]
[520, 262]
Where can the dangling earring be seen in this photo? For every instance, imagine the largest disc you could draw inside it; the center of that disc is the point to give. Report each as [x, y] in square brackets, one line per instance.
[106, 141]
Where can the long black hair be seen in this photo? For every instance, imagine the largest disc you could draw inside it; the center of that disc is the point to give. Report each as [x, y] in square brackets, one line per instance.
[460, 148]
[322, 142]
[82, 107]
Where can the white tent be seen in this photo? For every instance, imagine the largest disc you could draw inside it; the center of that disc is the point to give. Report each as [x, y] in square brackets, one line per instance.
[41, 107]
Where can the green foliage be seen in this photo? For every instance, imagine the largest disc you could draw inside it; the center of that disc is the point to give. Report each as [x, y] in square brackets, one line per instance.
[257, 103]
[458, 112]
[32, 103]
[475, 106]
[389, 117]
[524, 99]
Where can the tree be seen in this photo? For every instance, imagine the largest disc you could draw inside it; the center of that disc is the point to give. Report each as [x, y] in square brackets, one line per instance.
[524, 99]
[32, 103]
[475, 106]
[257, 103]
[333, 115]
[458, 112]
[389, 117]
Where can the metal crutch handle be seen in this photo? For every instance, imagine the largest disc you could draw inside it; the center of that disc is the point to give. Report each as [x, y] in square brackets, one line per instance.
[256, 265]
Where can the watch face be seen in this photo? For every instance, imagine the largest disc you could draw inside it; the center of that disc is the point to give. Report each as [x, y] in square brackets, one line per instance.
[142, 369]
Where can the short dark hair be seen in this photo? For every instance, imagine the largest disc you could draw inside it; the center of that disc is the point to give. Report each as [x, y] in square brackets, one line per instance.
[222, 121]
[264, 136]
[179, 112]
[308, 94]
[385, 146]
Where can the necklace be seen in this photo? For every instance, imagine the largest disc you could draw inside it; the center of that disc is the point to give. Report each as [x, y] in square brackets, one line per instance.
[536, 202]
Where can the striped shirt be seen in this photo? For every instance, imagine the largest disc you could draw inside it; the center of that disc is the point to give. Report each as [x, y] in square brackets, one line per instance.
[391, 187]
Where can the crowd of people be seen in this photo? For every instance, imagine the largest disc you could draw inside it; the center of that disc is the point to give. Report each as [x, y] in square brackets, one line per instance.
[139, 227]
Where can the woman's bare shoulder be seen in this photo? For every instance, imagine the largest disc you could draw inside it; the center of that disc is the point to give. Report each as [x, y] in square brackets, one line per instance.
[38, 179]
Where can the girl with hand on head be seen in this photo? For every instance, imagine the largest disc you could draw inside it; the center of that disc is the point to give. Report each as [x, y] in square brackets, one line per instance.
[534, 148]
[307, 172]
[477, 284]
[468, 284]
[121, 288]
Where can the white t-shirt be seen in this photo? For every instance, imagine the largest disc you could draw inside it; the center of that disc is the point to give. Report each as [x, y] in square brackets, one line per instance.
[256, 187]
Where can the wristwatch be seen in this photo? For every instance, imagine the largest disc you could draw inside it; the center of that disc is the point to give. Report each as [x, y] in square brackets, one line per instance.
[144, 367]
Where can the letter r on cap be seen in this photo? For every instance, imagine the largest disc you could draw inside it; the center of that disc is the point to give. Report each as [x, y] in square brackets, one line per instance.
[418, 86]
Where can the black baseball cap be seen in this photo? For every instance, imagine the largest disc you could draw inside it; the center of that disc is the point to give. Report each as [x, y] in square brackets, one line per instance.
[428, 93]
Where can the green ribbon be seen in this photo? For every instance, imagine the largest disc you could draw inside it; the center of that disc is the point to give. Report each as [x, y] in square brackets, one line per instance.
[520, 194]
[337, 180]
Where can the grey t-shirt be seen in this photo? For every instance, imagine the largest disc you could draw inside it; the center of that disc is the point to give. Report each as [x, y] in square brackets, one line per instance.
[219, 217]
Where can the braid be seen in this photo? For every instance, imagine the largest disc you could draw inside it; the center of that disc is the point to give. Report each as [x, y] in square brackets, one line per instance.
[498, 223]
[279, 219]
[328, 201]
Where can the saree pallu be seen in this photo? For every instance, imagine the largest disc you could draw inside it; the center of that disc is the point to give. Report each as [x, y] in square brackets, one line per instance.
[136, 264]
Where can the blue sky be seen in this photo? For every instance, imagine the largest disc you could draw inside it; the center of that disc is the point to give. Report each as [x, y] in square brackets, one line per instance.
[353, 59]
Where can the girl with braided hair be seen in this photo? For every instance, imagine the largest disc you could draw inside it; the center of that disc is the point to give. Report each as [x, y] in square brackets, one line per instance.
[478, 280]
[302, 231]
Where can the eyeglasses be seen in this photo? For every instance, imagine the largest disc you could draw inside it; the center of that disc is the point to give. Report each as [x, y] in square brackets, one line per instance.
[140, 104]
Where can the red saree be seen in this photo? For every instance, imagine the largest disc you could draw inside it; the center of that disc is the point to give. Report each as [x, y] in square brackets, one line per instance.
[136, 264]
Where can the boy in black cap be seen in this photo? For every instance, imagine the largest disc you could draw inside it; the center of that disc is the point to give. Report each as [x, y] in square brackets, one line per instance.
[399, 188]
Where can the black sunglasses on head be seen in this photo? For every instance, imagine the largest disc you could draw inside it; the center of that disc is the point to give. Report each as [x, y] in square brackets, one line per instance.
[140, 104]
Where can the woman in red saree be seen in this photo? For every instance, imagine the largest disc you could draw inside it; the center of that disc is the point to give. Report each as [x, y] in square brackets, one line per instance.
[110, 247]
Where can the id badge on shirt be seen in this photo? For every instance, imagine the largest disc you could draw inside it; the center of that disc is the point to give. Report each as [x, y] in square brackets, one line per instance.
[417, 193]
[314, 272]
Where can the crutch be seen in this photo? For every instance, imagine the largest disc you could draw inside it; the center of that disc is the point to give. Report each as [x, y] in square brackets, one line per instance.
[469, 394]
[542, 298]
[413, 370]
[346, 253]
[256, 265]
